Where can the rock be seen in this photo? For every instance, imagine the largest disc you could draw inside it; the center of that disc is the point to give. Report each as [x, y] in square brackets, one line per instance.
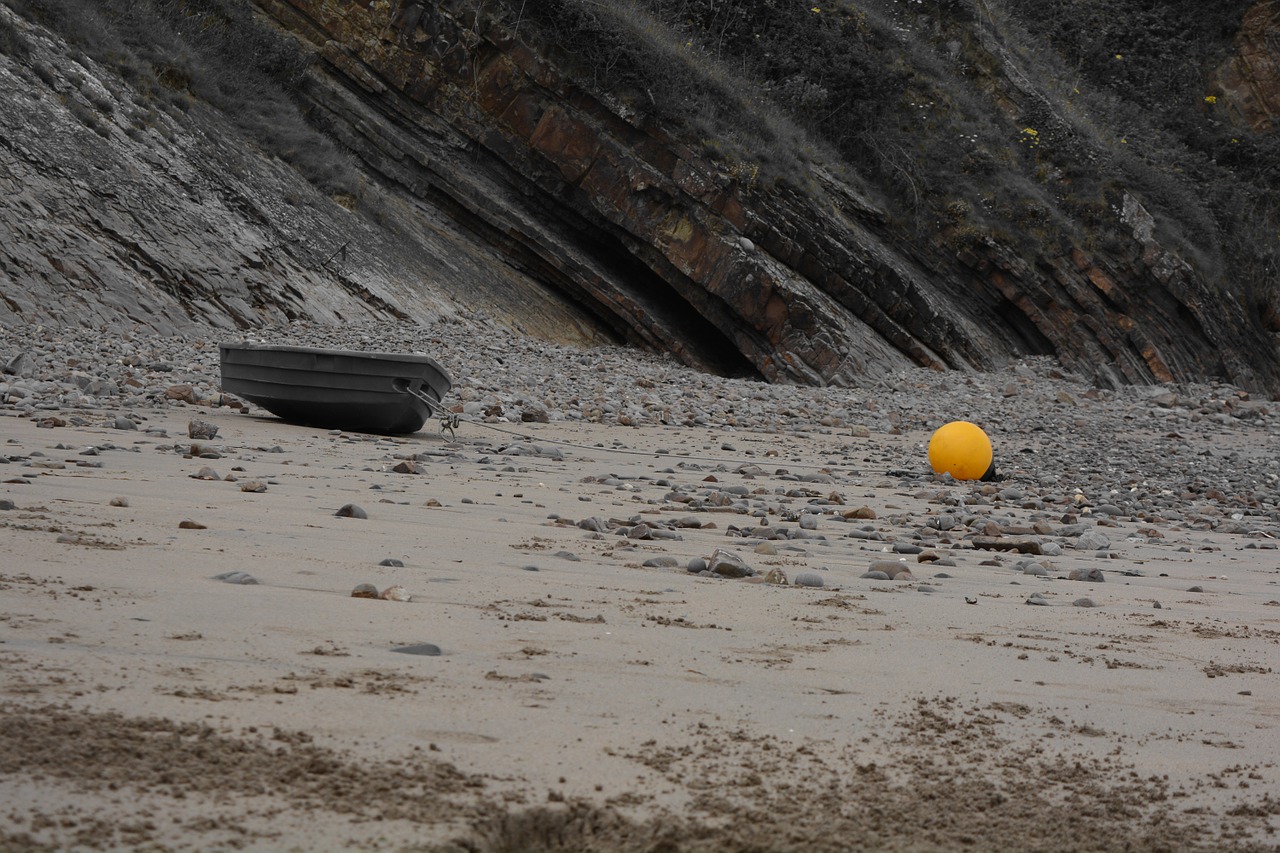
[729, 565]
[665, 562]
[188, 524]
[1037, 599]
[428, 649]
[809, 579]
[392, 562]
[365, 590]
[182, 392]
[1093, 540]
[808, 521]
[206, 473]
[121, 422]
[407, 466]
[254, 486]
[775, 576]
[395, 593]
[874, 576]
[697, 565]
[236, 577]
[351, 511]
[1083, 602]
[6, 504]
[120, 501]
[1021, 544]
[766, 549]
[864, 512]
[890, 568]
[1087, 575]
[202, 430]
[1195, 589]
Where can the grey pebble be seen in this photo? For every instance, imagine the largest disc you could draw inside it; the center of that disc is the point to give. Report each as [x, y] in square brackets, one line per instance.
[392, 561]
[1083, 602]
[236, 577]
[351, 511]
[1195, 589]
[874, 576]
[661, 563]
[1093, 540]
[429, 649]
[1037, 599]
[568, 555]
[696, 565]
[810, 579]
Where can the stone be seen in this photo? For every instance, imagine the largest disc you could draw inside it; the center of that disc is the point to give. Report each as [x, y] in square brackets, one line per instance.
[1087, 575]
[1021, 544]
[395, 593]
[729, 565]
[236, 577]
[120, 501]
[202, 430]
[428, 649]
[392, 562]
[1093, 540]
[188, 524]
[1037, 599]
[183, 392]
[809, 579]
[365, 590]
[122, 422]
[253, 486]
[351, 511]
[890, 568]
[697, 565]
[1083, 602]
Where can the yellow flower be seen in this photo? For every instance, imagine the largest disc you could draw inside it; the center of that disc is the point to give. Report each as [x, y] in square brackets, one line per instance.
[817, 10]
[1030, 131]
[1119, 56]
[1211, 99]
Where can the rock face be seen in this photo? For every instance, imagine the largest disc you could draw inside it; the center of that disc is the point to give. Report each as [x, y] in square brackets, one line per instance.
[672, 254]
[510, 189]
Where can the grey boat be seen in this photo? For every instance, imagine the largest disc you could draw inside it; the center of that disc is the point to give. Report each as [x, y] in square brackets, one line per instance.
[378, 392]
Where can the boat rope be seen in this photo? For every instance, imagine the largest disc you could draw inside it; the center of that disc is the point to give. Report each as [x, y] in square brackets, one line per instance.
[450, 421]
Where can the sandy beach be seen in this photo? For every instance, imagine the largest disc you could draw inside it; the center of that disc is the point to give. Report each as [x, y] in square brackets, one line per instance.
[183, 664]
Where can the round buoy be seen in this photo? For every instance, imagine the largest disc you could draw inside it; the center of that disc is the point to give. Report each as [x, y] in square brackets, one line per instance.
[962, 450]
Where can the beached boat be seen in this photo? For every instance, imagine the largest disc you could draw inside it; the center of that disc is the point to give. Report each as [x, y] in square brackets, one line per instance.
[378, 392]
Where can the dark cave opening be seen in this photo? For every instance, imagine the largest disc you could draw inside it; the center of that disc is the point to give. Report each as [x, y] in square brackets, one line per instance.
[1032, 341]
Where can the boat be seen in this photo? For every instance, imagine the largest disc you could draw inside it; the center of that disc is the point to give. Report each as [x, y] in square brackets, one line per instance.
[377, 392]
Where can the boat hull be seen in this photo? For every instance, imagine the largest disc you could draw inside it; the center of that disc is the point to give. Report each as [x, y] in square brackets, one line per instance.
[337, 389]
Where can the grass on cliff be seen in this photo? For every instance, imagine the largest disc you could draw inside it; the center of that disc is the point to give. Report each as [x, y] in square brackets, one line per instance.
[219, 52]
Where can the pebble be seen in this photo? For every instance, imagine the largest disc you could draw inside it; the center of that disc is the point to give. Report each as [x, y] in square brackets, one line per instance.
[1037, 599]
[1087, 575]
[188, 524]
[809, 579]
[202, 430]
[364, 590]
[120, 501]
[729, 565]
[1083, 602]
[395, 593]
[236, 577]
[351, 511]
[428, 649]
[392, 562]
[1093, 540]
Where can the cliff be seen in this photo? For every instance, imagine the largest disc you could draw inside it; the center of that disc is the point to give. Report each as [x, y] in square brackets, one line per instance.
[497, 177]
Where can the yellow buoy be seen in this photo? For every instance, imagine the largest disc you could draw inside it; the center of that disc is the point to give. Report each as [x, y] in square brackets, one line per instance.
[962, 450]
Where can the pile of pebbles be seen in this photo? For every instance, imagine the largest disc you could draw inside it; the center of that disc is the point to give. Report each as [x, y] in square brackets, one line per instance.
[1204, 454]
